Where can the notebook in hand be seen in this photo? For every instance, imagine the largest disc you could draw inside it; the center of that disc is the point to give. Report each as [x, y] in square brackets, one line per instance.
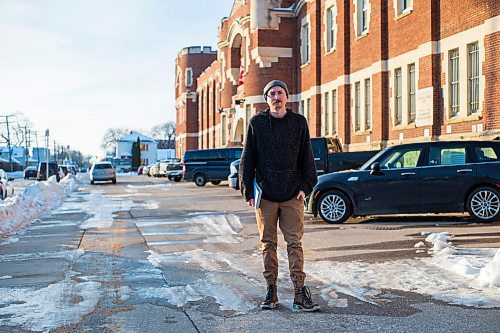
[257, 192]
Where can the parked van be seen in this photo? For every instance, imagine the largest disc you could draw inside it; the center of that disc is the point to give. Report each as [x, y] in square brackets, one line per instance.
[208, 165]
[53, 170]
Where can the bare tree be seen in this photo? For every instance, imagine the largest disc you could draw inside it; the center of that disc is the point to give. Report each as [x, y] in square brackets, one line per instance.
[164, 134]
[112, 135]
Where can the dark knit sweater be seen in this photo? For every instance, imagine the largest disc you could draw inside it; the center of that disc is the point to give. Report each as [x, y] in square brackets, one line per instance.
[278, 155]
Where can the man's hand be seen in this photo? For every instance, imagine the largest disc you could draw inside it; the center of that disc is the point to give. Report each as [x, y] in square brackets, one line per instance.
[301, 195]
[251, 203]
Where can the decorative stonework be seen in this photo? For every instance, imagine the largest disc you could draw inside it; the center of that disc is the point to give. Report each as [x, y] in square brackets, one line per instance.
[265, 56]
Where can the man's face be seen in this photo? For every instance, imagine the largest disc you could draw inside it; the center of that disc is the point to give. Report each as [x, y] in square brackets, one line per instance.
[276, 98]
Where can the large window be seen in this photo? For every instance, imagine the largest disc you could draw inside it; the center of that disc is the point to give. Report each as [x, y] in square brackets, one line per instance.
[304, 50]
[189, 77]
[454, 83]
[330, 28]
[368, 105]
[398, 97]
[473, 75]
[404, 6]
[357, 111]
[412, 103]
[362, 9]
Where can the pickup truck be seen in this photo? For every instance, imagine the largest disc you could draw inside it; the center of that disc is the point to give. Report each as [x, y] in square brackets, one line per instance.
[329, 157]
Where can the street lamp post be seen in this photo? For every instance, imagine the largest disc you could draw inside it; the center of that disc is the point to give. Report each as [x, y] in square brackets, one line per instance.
[47, 153]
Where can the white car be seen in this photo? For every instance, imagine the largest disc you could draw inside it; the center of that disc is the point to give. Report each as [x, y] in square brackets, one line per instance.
[6, 188]
[102, 171]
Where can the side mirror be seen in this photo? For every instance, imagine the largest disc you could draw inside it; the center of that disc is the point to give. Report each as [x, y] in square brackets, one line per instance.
[375, 167]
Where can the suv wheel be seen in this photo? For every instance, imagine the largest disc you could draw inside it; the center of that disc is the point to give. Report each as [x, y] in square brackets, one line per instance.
[216, 182]
[200, 179]
[483, 204]
[334, 207]
[178, 178]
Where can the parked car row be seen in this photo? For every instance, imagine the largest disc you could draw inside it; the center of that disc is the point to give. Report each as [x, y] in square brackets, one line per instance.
[169, 169]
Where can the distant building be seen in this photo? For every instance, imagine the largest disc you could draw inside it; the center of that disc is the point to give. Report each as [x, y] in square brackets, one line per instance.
[17, 157]
[372, 73]
[148, 149]
[165, 154]
[40, 154]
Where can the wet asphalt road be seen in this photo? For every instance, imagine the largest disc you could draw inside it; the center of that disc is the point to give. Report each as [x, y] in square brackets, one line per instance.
[98, 279]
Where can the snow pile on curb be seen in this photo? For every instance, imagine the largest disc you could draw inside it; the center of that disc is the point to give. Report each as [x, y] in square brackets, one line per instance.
[37, 199]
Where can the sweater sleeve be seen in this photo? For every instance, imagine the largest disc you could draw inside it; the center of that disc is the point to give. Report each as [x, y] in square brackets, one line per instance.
[307, 166]
[247, 165]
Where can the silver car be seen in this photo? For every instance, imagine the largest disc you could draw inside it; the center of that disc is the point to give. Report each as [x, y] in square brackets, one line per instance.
[6, 188]
[102, 171]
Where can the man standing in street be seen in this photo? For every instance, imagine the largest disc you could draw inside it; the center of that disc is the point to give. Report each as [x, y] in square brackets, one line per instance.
[278, 156]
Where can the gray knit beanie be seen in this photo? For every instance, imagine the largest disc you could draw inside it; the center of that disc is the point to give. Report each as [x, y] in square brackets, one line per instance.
[275, 83]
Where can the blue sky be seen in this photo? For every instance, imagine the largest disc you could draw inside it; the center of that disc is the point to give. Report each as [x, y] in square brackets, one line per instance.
[79, 67]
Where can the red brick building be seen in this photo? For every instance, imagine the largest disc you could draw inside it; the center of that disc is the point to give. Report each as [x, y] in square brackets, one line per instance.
[373, 73]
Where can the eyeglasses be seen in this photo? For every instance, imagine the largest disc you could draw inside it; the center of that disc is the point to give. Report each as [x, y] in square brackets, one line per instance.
[272, 94]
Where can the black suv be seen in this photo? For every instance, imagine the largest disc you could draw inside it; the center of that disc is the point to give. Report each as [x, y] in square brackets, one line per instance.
[53, 170]
[429, 177]
[210, 165]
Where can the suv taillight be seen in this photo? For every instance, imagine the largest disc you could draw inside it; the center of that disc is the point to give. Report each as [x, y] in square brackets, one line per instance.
[183, 167]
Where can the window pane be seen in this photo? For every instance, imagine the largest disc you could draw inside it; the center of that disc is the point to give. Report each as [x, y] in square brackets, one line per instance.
[486, 154]
[454, 83]
[334, 111]
[327, 115]
[330, 27]
[357, 123]
[446, 156]
[411, 93]
[405, 158]
[368, 106]
[398, 100]
[473, 84]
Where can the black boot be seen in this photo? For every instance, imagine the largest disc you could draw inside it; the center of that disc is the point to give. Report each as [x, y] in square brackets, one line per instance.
[271, 301]
[303, 300]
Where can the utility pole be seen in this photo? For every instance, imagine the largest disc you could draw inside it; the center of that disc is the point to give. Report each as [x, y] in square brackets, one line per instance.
[55, 151]
[47, 152]
[37, 148]
[26, 145]
[8, 141]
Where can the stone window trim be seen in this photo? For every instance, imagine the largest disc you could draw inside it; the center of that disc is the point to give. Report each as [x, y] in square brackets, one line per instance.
[463, 114]
[305, 41]
[358, 15]
[330, 26]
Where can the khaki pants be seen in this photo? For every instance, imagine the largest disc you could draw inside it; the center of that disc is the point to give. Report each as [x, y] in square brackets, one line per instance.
[290, 216]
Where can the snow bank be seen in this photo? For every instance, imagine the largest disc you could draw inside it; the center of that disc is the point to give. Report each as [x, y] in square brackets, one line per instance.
[37, 199]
